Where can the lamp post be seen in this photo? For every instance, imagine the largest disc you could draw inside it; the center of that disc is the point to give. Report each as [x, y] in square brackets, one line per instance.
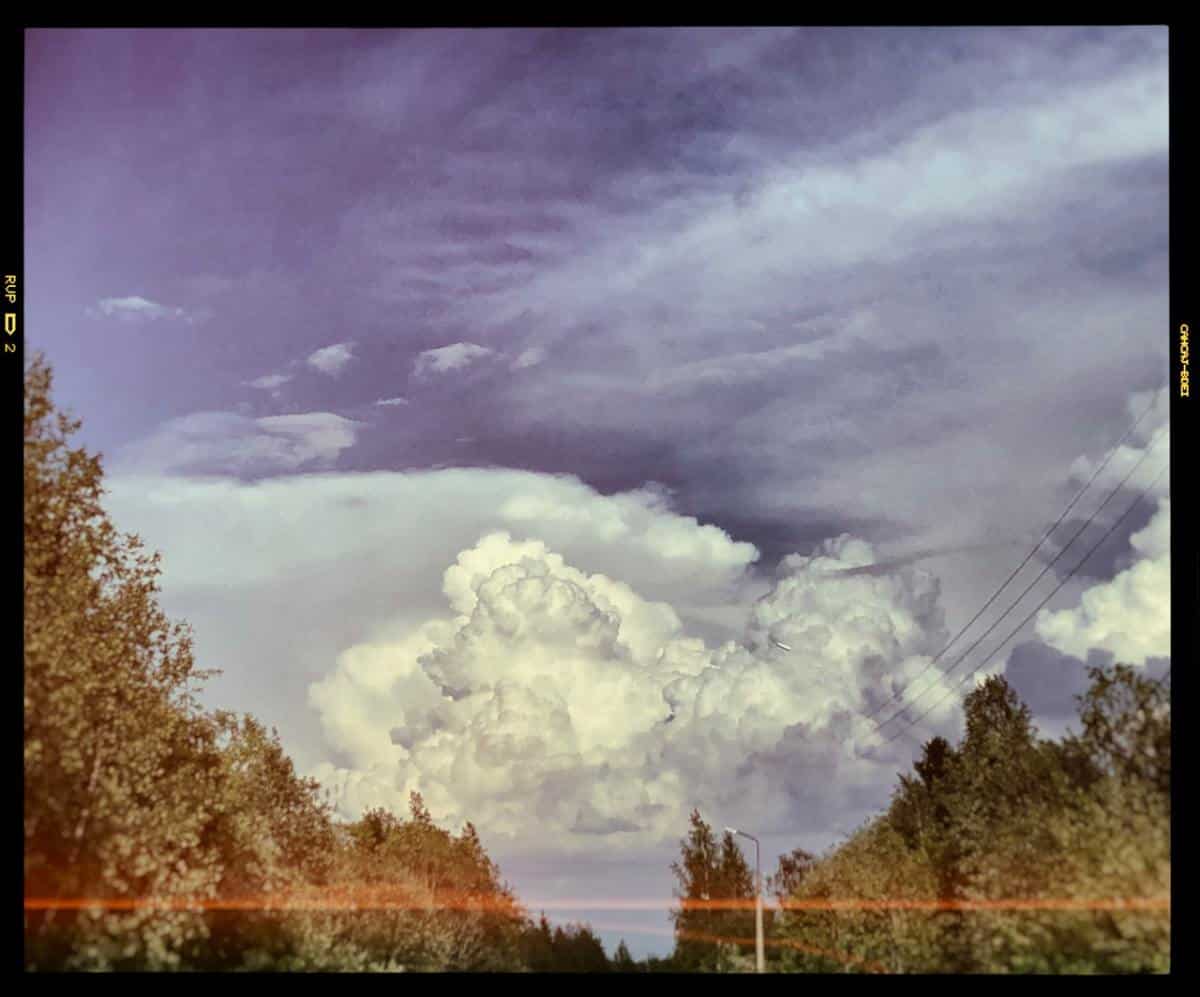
[760, 962]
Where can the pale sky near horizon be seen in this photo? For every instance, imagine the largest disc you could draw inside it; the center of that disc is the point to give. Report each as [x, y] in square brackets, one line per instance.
[501, 399]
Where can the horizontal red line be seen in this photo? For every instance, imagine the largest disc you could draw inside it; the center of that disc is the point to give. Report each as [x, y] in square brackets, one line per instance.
[369, 902]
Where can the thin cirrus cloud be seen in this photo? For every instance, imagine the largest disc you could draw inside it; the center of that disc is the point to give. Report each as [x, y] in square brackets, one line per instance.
[224, 442]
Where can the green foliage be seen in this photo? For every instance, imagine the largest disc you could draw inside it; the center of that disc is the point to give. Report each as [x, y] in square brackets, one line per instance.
[573, 948]
[577, 950]
[1007, 817]
[133, 793]
[789, 877]
[122, 770]
[622, 961]
[708, 871]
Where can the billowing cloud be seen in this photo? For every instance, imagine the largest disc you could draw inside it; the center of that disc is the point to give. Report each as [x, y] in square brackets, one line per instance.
[331, 360]
[456, 356]
[565, 708]
[135, 309]
[1130, 615]
[281, 574]
[214, 442]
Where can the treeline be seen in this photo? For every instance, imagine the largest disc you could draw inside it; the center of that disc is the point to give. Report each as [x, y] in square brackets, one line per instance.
[1007, 853]
[159, 835]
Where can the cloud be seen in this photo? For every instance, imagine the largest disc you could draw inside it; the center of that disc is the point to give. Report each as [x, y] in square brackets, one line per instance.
[392, 401]
[222, 442]
[136, 309]
[1130, 615]
[331, 360]
[564, 708]
[1150, 444]
[529, 358]
[669, 547]
[534, 656]
[444, 359]
[270, 382]
[359, 517]
[280, 575]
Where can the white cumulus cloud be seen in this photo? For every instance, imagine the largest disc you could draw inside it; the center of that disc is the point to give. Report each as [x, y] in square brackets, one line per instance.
[1129, 615]
[564, 707]
[331, 360]
[534, 656]
[444, 359]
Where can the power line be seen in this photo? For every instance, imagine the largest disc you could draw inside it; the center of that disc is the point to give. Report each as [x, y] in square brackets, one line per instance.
[1038, 607]
[1041, 574]
[1017, 570]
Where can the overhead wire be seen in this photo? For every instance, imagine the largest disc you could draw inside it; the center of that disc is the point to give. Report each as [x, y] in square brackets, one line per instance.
[1041, 574]
[1028, 557]
[1107, 533]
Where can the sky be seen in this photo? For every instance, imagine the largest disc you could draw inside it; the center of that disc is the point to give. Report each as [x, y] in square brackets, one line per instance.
[502, 400]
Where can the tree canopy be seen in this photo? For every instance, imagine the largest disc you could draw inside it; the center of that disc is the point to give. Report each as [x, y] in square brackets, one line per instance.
[1045, 838]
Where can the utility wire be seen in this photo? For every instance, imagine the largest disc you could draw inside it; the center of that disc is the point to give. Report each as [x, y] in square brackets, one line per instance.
[1041, 574]
[1017, 570]
[1037, 608]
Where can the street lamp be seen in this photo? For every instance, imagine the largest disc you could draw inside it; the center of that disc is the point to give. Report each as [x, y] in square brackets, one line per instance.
[759, 958]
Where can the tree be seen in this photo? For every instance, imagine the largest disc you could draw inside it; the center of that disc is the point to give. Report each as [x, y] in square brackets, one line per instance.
[622, 961]
[1006, 816]
[1127, 726]
[577, 950]
[789, 876]
[735, 881]
[695, 874]
[708, 872]
[122, 769]
[537, 946]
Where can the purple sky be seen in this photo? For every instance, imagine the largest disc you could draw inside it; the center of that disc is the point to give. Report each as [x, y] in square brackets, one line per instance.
[790, 283]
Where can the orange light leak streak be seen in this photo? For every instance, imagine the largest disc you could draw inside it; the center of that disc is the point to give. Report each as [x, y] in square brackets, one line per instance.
[373, 901]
